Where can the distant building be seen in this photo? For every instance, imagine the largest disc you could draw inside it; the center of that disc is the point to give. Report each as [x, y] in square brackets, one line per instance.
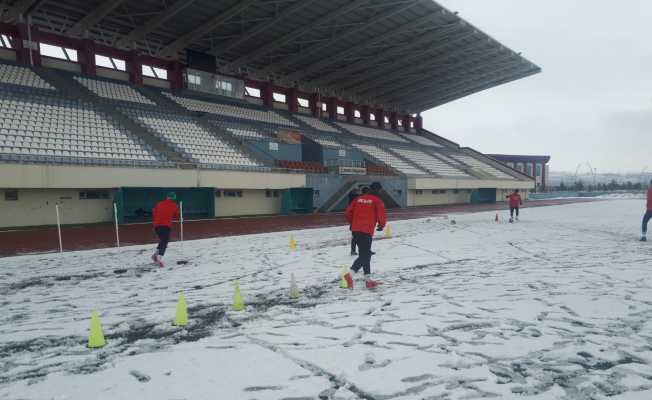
[535, 166]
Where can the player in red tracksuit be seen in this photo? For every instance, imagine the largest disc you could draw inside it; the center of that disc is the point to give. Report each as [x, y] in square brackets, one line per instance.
[515, 201]
[365, 214]
[162, 215]
[648, 213]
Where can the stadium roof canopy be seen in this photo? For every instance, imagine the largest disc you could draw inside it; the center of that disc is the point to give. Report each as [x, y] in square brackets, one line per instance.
[407, 55]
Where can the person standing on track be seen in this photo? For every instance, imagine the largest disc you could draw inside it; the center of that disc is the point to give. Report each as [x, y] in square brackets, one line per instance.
[352, 196]
[365, 214]
[162, 215]
[515, 201]
[648, 214]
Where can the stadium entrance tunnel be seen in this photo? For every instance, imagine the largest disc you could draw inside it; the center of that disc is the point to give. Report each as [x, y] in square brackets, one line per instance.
[481, 196]
[135, 204]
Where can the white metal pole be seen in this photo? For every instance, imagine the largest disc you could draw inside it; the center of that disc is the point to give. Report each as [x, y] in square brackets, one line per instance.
[117, 234]
[59, 229]
[29, 39]
[181, 214]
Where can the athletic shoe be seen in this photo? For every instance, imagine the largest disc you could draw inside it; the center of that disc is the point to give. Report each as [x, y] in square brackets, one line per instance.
[349, 280]
[643, 239]
[154, 257]
[511, 220]
[517, 218]
[372, 252]
[371, 284]
[159, 260]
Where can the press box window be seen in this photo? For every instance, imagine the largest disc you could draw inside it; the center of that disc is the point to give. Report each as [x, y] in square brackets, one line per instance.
[11, 195]
[194, 79]
[224, 86]
[357, 114]
[324, 107]
[304, 103]
[340, 110]
[372, 117]
[278, 97]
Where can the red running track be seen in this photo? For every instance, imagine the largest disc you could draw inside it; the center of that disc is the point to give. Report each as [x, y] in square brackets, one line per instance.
[16, 242]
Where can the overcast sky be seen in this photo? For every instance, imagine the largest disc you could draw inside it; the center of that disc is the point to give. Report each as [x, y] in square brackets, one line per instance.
[592, 101]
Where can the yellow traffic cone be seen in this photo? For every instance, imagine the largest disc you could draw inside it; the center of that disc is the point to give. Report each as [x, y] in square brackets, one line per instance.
[343, 283]
[96, 336]
[388, 231]
[181, 318]
[293, 243]
[294, 289]
[238, 304]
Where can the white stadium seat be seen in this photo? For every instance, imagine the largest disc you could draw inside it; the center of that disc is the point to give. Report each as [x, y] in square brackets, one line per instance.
[113, 90]
[228, 110]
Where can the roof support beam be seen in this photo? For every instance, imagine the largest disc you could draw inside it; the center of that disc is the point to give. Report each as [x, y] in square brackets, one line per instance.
[213, 23]
[421, 83]
[21, 7]
[275, 44]
[94, 17]
[142, 31]
[347, 33]
[326, 61]
[399, 66]
[485, 80]
[426, 104]
[261, 28]
[434, 69]
[348, 71]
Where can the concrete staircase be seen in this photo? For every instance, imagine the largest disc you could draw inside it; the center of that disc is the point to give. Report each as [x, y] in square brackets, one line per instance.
[164, 103]
[355, 181]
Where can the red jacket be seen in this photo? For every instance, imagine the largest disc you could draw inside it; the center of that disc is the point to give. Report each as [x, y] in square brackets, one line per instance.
[515, 200]
[649, 199]
[164, 212]
[365, 212]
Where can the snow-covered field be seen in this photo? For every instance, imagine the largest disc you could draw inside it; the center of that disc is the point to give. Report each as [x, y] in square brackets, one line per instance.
[557, 306]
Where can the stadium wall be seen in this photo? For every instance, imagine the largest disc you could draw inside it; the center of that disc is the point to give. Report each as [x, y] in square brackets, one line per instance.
[252, 202]
[26, 176]
[36, 207]
[40, 187]
[435, 183]
[433, 197]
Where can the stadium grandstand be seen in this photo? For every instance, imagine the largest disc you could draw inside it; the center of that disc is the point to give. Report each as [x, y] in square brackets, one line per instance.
[242, 107]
